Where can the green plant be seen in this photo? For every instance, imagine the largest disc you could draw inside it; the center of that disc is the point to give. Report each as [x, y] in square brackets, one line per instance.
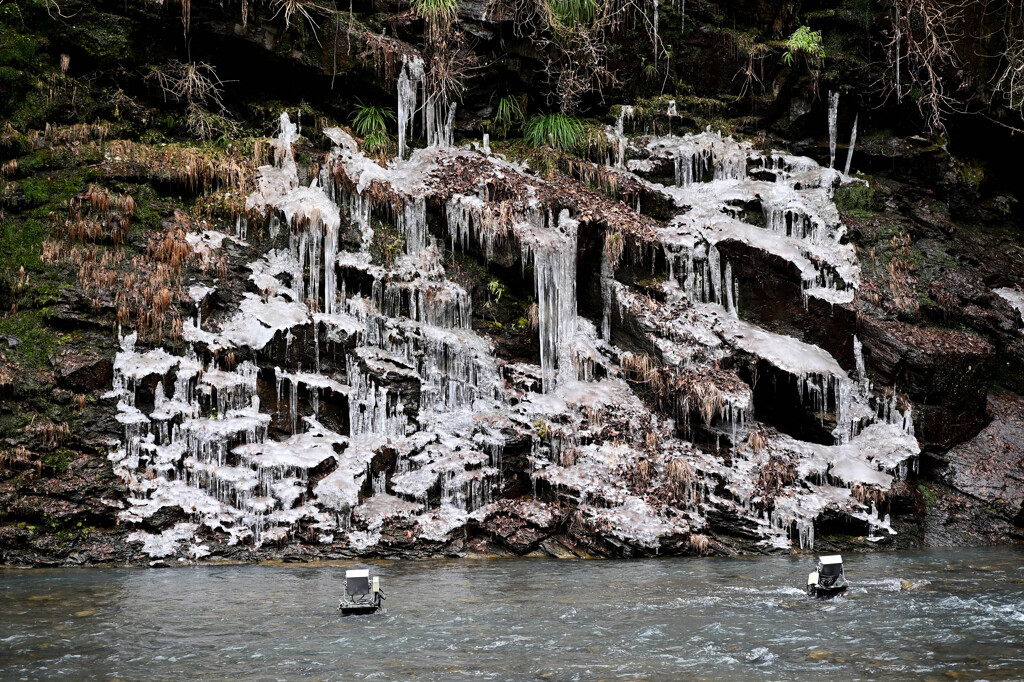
[496, 289]
[371, 119]
[292, 7]
[510, 113]
[649, 69]
[573, 12]
[435, 9]
[371, 124]
[804, 42]
[554, 130]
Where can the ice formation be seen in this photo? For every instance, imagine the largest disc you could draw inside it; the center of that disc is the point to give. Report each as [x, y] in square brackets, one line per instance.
[833, 116]
[360, 396]
[1015, 297]
[853, 143]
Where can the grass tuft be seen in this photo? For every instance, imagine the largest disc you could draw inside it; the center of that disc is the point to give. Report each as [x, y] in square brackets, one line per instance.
[554, 130]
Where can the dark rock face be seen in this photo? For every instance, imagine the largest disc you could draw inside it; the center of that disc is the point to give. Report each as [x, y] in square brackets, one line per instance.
[84, 373]
[990, 466]
[945, 373]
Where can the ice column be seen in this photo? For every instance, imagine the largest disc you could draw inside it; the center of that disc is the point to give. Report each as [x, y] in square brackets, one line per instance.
[438, 120]
[853, 143]
[620, 136]
[833, 114]
[555, 268]
[606, 296]
[410, 81]
[655, 36]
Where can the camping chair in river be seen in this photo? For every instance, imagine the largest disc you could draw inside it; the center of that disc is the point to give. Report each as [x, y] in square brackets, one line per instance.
[361, 595]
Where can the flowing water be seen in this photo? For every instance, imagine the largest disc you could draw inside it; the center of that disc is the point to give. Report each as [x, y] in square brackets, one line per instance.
[961, 616]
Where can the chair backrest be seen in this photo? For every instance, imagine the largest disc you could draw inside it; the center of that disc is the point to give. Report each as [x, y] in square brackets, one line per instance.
[357, 583]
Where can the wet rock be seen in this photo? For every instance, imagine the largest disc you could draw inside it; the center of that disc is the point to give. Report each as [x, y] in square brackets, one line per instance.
[66, 317]
[955, 519]
[553, 548]
[82, 372]
[164, 518]
[990, 466]
[945, 373]
[519, 525]
[914, 159]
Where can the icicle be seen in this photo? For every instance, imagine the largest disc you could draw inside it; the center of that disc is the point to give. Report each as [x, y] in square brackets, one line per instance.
[833, 115]
[438, 120]
[555, 268]
[899, 36]
[858, 357]
[410, 82]
[853, 143]
[654, 37]
[606, 296]
[412, 223]
[618, 136]
[714, 277]
[730, 294]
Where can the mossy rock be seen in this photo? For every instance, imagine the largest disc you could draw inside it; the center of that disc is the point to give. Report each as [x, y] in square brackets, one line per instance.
[104, 38]
[859, 197]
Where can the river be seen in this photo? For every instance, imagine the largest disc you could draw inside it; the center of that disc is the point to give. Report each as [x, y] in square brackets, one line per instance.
[961, 616]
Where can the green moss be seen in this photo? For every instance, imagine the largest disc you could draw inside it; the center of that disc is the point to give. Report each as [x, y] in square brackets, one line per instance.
[104, 37]
[20, 243]
[930, 498]
[652, 282]
[857, 197]
[970, 171]
[149, 207]
[387, 244]
[59, 460]
[36, 191]
[21, 51]
[37, 339]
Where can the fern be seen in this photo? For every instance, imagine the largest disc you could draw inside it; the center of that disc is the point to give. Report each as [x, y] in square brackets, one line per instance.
[804, 42]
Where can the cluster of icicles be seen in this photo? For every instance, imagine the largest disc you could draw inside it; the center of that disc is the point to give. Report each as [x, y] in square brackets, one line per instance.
[205, 444]
[717, 181]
